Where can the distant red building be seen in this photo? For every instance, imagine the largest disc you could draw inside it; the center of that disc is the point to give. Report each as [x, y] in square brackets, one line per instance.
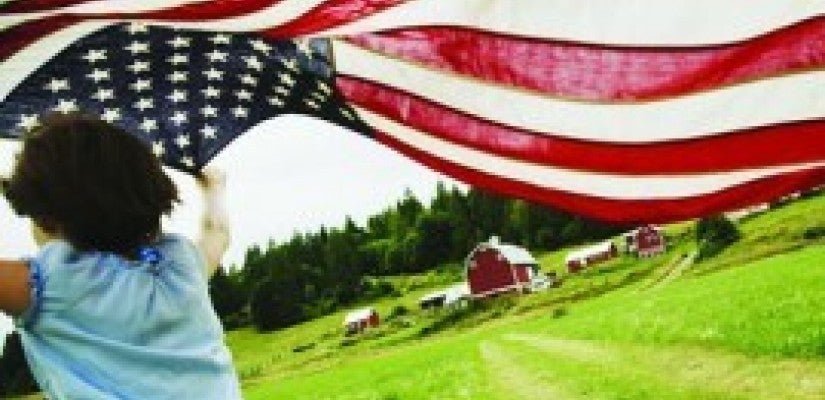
[495, 267]
[578, 259]
[359, 320]
[645, 241]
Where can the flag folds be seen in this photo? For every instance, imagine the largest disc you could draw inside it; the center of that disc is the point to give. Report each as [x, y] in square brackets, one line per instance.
[627, 111]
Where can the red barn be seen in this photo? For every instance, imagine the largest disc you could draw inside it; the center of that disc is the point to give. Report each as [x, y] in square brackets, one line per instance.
[495, 267]
[594, 254]
[645, 241]
[359, 320]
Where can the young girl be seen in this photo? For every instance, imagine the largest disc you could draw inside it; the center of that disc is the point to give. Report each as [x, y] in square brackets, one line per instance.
[110, 307]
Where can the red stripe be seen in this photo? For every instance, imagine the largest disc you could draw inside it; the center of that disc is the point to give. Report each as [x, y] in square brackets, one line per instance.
[600, 72]
[788, 143]
[330, 14]
[25, 6]
[623, 211]
[196, 11]
[206, 10]
[18, 37]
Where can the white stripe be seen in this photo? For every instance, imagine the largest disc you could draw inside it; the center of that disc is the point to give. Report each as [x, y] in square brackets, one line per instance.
[23, 63]
[787, 98]
[619, 22]
[272, 16]
[7, 21]
[125, 6]
[619, 187]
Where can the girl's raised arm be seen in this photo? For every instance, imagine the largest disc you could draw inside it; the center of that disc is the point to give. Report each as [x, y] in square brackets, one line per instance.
[214, 234]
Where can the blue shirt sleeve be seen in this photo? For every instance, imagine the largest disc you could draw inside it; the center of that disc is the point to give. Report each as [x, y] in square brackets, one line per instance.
[42, 291]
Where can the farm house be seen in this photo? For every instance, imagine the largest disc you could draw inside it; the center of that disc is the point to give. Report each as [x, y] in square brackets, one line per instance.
[494, 267]
[594, 254]
[645, 241]
[359, 320]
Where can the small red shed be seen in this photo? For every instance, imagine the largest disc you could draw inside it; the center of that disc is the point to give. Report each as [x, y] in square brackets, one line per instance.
[495, 267]
[359, 320]
[645, 241]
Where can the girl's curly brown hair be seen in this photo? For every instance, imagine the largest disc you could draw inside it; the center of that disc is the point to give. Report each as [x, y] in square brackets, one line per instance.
[91, 183]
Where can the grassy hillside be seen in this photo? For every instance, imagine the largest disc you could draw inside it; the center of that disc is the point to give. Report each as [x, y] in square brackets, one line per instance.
[726, 335]
[747, 324]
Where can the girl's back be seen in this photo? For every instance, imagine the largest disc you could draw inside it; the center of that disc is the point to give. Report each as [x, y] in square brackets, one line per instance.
[103, 326]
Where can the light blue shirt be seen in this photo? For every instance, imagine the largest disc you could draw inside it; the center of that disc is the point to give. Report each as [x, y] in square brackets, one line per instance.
[104, 327]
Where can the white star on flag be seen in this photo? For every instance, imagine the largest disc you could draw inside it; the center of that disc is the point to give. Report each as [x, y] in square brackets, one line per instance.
[137, 47]
[141, 85]
[104, 94]
[220, 39]
[158, 148]
[240, 112]
[182, 140]
[253, 62]
[139, 66]
[29, 121]
[110, 115]
[148, 125]
[144, 104]
[286, 79]
[213, 74]
[209, 132]
[94, 56]
[66, 106]
[250, 80]
[209, 111]
[243, 94]
[177, 76]
[217, 56]
[179, 42]
[211, 92]
[98, 75]
[178, 58]
[137, 27]
[260, 45]
[56, 85]
[177, 96]
[179, 118]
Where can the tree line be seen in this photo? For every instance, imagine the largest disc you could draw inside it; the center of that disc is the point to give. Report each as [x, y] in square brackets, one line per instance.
[315, 273]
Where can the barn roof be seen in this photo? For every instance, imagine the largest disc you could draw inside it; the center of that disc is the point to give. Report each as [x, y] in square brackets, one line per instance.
[514, 254]
[358, 315]
[588, 251]
[450, 294]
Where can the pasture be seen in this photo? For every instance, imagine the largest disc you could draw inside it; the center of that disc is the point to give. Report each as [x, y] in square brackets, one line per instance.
[746, 324]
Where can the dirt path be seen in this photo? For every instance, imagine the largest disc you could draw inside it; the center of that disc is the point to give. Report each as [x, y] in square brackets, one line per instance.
[672, 271]
[678, 270]
[512, 379]
[583, 369]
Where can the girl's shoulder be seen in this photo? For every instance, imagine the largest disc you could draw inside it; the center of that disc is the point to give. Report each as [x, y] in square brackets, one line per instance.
[62, 276]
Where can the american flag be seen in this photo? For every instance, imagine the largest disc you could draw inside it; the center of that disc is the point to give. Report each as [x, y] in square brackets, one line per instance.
[628, 110]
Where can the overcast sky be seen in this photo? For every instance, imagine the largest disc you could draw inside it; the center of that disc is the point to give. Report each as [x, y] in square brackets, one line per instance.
[286, 175]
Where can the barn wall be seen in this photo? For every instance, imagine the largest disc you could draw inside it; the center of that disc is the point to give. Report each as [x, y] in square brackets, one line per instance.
[522, 273]
[490, 273]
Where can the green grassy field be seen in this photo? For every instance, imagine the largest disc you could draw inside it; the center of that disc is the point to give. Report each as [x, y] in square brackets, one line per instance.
[747, 324]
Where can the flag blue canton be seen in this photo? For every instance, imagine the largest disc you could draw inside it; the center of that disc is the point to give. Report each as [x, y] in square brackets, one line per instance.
[187, 94]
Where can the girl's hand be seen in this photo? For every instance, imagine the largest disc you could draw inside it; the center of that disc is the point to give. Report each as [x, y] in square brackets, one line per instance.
[211, 178]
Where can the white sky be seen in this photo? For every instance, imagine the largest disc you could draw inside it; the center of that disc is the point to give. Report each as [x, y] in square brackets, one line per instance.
[290, 174]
